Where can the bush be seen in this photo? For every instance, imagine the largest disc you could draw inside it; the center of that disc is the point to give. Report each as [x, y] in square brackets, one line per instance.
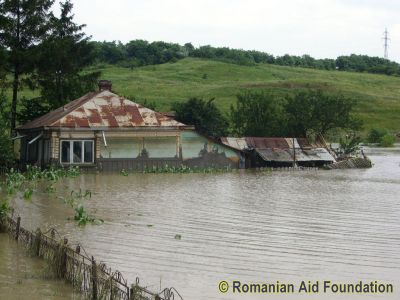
[375, 135]
[203, 114]
[387, 140]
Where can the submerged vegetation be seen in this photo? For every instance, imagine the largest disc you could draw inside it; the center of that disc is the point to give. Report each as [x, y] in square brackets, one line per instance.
[181, 169]
[4, 210]
[82, 217]
[27, 181]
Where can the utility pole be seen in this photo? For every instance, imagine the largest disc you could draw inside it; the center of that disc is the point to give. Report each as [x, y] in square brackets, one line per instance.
[386, 40]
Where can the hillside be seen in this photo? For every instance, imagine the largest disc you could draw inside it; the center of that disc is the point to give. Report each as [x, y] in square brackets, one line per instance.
[378, 95]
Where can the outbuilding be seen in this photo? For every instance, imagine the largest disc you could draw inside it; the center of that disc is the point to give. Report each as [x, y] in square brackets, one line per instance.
[281, 152]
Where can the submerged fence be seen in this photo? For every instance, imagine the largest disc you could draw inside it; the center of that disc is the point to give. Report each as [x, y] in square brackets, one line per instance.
[94, 280]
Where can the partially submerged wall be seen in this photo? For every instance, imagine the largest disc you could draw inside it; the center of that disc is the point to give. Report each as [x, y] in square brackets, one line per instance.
[199, 151]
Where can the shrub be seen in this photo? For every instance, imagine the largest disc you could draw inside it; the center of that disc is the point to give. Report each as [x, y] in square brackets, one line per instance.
[375, 135]
[387, 140]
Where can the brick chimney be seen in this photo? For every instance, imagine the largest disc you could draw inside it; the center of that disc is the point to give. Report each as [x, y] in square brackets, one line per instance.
[105, 85]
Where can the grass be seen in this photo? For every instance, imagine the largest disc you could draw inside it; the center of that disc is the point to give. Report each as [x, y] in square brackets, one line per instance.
[378, 95]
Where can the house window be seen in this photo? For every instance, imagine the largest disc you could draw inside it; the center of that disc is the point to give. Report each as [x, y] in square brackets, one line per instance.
[77, 152]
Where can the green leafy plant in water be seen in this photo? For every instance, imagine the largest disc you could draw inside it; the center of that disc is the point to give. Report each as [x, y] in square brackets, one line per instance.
[81, 194]
[50, 188]
[33, 173]
[28, 193]
[124, 172]
[81, 216]
[4, 208]
[54, 174]
[14, 181]
[186, 169]
[73, 198]
[72, 172]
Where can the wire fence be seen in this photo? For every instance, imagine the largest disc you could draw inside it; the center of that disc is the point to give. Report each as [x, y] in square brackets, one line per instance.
[94, 280]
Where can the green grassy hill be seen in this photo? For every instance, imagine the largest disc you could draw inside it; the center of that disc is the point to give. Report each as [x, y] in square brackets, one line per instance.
[378, 95]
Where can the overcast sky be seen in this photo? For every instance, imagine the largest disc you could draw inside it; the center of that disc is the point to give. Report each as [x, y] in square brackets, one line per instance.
[321, 28]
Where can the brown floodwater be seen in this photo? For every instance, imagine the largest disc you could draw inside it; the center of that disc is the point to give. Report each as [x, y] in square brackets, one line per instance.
[26, 277]
[339, 225]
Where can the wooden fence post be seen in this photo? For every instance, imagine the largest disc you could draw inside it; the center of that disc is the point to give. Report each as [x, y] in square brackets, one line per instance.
[17, 228]
[63, 270]
[111, 287]
[130, 296]
[94, 279]
[38, 239]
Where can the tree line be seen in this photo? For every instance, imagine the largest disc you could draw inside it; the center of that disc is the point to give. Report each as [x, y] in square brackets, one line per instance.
[262, 114]
[138, 53]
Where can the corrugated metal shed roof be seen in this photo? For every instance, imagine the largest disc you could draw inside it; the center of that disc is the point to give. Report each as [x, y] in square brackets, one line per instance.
[102, 109]
[281, 149]
[244, 143]
[286, 155]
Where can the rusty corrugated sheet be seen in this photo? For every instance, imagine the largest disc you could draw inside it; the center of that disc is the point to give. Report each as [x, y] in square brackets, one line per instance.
[286, 155]
[275, 155]
[280, 149]
[255, 143]
[102, 110]
[243, 143]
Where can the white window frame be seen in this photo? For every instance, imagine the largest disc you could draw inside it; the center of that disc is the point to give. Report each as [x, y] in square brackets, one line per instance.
[71, 152]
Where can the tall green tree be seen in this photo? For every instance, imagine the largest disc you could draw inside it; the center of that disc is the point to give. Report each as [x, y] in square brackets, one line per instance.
[64, 54]
[319, 112]
[23, 23]
[204, 115]
[257, 113]
[6, 147]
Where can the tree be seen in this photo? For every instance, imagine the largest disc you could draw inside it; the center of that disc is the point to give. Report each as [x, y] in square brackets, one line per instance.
[32, 109]
[22, 26]
[64, 54]
[6, 147]
[318, 112]
[257, 114]
[109, 52]
[204, 115]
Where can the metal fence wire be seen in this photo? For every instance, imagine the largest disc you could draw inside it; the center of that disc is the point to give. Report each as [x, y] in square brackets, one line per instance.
[94, 280]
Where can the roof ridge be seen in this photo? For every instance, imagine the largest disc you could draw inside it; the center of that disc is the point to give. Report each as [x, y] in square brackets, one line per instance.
[102, 109]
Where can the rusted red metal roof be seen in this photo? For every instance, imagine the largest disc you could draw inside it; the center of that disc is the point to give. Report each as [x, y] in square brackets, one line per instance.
[102, 109]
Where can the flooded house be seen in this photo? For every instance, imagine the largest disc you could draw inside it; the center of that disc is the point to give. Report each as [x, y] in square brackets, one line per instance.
[280, 152]
[104, 131]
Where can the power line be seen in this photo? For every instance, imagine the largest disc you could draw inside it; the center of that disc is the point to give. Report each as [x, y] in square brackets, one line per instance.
[386, 40]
